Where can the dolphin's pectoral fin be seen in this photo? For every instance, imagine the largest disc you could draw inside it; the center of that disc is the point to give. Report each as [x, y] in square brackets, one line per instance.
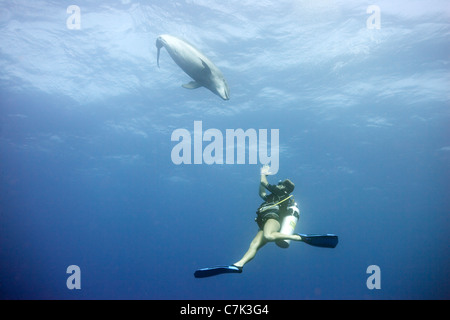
[157, 57]
[192, 85]
[159, 45]
[206, 67]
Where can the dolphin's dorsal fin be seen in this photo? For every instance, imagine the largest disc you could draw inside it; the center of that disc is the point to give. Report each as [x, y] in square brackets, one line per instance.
[206, 67]
[192, 85]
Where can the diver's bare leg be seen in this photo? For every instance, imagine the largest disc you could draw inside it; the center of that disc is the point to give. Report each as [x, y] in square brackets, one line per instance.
[271, 228]
[270, 233]
[257, 243]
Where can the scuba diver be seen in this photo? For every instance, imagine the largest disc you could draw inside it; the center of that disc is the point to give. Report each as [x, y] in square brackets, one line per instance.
[269, 215]
[276, 218]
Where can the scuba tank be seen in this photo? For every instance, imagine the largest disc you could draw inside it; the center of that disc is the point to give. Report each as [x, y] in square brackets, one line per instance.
[288, 224]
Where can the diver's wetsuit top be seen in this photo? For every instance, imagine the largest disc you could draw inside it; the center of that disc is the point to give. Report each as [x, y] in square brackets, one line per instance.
[275, 195]
[273, 212]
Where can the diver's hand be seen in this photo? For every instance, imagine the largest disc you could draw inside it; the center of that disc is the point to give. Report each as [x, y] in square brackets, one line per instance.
[265, 170]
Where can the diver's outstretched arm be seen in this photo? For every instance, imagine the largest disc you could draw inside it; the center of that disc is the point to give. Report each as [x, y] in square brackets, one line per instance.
[262, 186]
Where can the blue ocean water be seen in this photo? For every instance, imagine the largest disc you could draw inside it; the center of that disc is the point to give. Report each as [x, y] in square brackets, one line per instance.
[361, 103]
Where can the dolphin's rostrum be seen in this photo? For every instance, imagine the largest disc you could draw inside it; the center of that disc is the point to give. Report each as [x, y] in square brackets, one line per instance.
[195, 64]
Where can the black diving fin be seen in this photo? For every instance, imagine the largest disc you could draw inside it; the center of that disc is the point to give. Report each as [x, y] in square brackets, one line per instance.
[213, 271]
[320, 240]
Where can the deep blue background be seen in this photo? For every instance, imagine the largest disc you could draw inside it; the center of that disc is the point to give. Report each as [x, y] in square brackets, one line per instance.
[86, 176]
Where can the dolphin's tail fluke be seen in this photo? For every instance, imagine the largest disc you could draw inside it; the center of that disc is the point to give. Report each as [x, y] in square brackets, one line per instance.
[159, 45]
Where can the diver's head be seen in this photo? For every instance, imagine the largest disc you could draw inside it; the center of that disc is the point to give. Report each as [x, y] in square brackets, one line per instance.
[287, 186]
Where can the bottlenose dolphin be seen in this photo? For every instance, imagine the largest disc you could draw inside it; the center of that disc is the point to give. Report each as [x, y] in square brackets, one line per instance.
[195, 64]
